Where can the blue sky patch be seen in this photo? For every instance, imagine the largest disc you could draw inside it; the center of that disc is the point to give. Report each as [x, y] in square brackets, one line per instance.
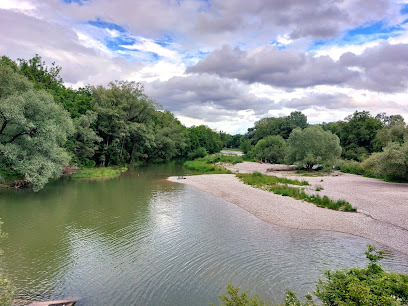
[404, 9]
[80, 2]
[362, 34]
[106, 25]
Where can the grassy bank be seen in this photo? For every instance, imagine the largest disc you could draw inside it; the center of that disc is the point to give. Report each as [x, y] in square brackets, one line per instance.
[98, 172]
[285, 187]
[212, 164]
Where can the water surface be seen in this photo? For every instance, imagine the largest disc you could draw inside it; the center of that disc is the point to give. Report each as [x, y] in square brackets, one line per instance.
[138, 239]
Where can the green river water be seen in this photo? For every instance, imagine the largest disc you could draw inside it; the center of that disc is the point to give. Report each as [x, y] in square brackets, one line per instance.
[138, 239]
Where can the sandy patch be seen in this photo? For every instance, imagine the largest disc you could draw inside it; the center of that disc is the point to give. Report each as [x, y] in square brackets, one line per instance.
[382, 207]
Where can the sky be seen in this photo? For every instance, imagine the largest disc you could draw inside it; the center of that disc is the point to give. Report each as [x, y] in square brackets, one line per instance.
[225, 63]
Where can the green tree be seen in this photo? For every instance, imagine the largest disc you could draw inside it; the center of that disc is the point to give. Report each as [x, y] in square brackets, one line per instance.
[203, 137]
[271, 148]
[85, 140]
[125, 121]
[312, 146]
[357, 134]
[33, 130]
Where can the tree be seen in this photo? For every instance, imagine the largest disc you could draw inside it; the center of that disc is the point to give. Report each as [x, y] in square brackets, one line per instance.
[271, 148]
[33, 130]
[312, 146]
[85, 139]
[357, 134]
[125, 121]
[281, 126]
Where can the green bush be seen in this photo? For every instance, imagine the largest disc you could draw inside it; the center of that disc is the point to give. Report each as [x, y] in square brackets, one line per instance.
[351, 166]
[368, 286]
[200, 152]
[391, 164]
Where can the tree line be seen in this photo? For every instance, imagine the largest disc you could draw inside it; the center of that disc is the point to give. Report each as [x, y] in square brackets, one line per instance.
[45, 126]
[361, 143]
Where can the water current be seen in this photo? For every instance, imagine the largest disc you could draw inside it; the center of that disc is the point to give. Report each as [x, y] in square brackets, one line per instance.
[138, 239]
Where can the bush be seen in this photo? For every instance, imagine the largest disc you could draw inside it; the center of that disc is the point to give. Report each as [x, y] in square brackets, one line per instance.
[368, 286]
[352, 167]
[200, 152]
[391, 164]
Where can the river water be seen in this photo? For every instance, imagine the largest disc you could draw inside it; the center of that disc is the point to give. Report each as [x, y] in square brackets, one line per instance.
[138, 239]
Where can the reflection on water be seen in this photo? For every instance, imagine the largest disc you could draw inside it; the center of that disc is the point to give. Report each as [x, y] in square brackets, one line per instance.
[139, 239]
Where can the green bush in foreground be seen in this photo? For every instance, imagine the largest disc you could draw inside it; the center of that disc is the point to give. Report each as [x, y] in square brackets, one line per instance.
[280, 186]
[368, 286]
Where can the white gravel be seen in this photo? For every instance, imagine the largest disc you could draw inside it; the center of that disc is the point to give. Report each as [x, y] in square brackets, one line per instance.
[382, 208]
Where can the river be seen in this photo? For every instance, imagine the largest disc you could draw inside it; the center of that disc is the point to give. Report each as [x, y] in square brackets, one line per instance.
[138, 239]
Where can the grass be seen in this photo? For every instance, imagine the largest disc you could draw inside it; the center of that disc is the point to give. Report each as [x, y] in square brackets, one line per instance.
[319, 188]
[281, 186]
[223, 158]
[98, 172]
[201, 165]
[211, 164]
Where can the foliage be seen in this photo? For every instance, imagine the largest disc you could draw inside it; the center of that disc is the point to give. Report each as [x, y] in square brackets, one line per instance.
[233, 298]
[391, 164]
[368, 286]
[233, 141]
[96, 172]
[200, 152]
[85, 140]
[203, 137]
[312, 146]
[34, 130]
[281, 186]
[125, 119]
[351, 166]
[271, 148]
[281, 126]
[357, 134]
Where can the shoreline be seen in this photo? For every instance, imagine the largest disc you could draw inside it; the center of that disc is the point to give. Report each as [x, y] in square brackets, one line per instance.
[297, 214]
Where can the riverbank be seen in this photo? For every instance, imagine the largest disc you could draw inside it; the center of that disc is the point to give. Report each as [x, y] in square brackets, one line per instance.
[382, 208]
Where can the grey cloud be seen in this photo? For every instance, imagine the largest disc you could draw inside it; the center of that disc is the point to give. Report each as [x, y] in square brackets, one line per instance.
[207, 97]
[384, 68]
[228, 20]
[275, 67]
[318, 100]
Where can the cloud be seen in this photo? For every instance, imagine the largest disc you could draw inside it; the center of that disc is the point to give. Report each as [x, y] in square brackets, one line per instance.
[269, 65]
[81, 61]
[207, 97]
[384, 68]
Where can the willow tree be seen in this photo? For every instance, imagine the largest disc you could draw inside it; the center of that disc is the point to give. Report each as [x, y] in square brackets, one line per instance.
[125, 120]
[312, 146]
[33, 130]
